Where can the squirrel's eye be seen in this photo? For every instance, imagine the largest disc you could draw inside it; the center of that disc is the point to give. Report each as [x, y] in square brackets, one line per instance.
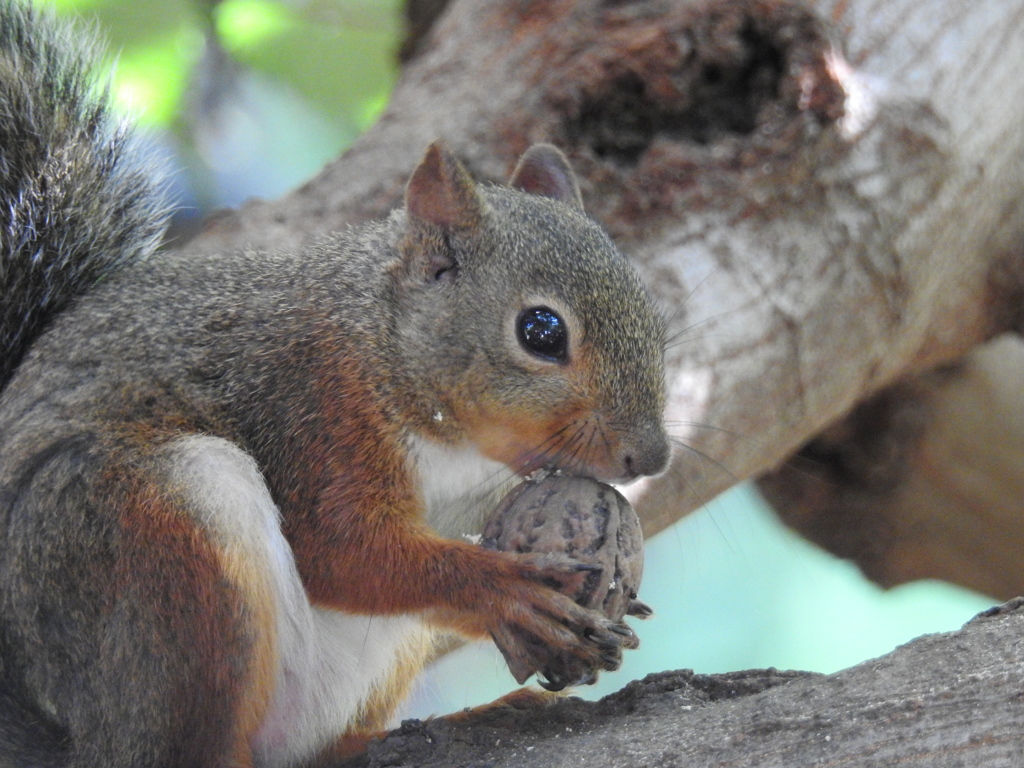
[543, 333]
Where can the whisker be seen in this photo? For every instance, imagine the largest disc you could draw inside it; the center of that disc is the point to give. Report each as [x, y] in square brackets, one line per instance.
[713, 428]
[798, 462]
[681, 304]
[480, 492]
[702, 499]
[569, 451]
[607, 442]
[704, 504]
[677, 338]
[590, 439]
[706, 457]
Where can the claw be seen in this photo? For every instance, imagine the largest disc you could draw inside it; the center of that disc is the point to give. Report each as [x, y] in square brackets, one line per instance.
[611, 662]
[545, 632]
[629, 638]
[639, 609]
[551, 685]
[566, 671]
[609, 644]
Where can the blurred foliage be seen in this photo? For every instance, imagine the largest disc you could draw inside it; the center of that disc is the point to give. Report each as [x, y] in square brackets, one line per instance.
[250, 97]
[339, 54]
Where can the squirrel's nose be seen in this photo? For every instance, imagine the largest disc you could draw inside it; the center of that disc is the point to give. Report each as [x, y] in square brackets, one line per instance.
[647, 455]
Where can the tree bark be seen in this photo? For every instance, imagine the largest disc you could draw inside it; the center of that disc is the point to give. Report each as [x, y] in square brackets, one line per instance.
[942, 701]
[825, 196]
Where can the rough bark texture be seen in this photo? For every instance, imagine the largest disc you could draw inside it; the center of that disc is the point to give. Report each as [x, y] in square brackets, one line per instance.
[826, 196]
[942, 701]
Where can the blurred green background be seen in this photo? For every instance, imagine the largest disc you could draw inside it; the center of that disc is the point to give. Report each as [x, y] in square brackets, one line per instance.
[247, 98]
[250, 98]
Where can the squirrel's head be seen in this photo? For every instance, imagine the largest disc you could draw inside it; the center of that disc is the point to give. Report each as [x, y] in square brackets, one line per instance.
[527, 332]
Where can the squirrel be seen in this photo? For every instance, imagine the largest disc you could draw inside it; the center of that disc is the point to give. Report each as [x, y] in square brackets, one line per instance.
[235, 489]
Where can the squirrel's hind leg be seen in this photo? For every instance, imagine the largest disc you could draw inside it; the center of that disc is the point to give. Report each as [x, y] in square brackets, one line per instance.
[128, 624]
[314, 673]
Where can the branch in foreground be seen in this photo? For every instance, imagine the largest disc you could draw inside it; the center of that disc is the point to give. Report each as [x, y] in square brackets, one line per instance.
[940, 701]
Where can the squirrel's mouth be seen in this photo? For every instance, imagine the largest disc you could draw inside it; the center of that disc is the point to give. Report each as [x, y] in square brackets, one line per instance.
[606, 468]
[617, 462]
[586, 447]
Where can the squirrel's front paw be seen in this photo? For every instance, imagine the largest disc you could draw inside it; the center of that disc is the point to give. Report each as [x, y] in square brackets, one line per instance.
[581, 538]
[543, 631]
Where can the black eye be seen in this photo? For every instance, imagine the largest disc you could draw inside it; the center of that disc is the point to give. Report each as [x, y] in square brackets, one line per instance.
[543, 333]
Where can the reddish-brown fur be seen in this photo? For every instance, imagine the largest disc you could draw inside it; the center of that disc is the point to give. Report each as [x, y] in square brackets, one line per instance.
[168, 564]
[363, 546]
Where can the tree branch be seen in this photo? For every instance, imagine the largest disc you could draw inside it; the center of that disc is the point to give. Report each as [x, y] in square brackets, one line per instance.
[942, 701]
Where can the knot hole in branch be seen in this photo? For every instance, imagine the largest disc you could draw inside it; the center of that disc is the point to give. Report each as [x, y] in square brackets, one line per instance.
[704, 72]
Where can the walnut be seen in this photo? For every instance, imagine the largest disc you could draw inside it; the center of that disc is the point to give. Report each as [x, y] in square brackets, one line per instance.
[591, 523]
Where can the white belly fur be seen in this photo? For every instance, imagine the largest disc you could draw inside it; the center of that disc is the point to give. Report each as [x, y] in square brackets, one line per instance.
[329, 662]
[328, 669]
[459, 486]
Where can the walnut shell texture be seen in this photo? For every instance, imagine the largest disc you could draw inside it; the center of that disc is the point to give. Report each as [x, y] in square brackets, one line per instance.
[588, 521]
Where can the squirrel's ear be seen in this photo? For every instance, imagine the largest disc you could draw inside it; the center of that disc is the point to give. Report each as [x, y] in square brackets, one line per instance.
[543, 170]
[441, 192]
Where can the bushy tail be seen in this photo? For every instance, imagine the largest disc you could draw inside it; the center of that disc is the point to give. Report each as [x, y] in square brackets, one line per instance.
[74, 205]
